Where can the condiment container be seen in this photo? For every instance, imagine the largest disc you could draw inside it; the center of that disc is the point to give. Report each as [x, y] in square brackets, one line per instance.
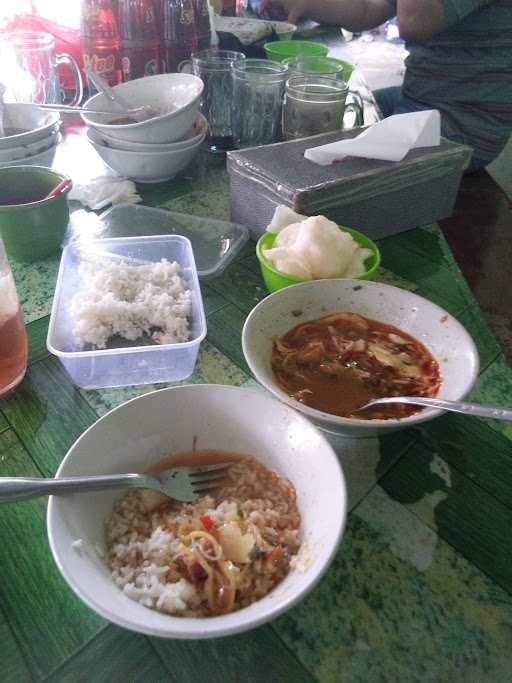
[377, 197]
[124, 363]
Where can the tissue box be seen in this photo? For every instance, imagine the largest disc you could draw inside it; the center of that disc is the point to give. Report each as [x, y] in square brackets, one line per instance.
[377, 197]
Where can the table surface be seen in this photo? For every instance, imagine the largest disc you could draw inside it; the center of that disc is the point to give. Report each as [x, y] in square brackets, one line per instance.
[420, 589]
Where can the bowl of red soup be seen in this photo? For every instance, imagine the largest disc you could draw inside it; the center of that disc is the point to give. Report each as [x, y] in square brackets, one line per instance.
[327, 347]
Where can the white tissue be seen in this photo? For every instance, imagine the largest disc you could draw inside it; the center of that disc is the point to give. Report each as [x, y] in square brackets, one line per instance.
[106, 190]
[314, 248]
[388, 140]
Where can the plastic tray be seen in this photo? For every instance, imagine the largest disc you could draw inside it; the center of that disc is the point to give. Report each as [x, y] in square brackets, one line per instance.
[124, 365]
[215, 243]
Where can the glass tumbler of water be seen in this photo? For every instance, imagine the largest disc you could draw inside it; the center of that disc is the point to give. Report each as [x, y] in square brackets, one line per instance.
[29, 68]
[314, 105]
[215, 69]
[13, 337]
[258, 101]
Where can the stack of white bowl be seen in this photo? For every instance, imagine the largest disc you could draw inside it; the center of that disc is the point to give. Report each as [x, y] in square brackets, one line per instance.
[37, 141]
[158, 148]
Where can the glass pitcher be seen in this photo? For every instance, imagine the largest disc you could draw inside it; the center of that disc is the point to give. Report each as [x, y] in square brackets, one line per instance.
[29, 69]
[13, 336]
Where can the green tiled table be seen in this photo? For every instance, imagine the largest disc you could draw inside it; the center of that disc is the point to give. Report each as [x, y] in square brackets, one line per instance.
[420, 589]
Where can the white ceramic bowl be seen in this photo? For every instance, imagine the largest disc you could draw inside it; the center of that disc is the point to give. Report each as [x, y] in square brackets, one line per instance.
[144, 167]
[194, 135]
[29, 149]
[181, 92]
[39, 124]
[283, 29]
[138, 434]
[440, 332]
[44, 158]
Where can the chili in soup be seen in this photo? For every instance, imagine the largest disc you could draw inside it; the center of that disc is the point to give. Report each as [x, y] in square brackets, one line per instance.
[339, 362]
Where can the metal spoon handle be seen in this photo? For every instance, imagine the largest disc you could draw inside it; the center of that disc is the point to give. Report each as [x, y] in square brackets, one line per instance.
[21, 488]
[104, 88]
[77, 110]
[494, 412]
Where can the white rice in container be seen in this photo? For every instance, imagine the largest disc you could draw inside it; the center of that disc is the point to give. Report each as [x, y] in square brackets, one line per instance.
[131, 301]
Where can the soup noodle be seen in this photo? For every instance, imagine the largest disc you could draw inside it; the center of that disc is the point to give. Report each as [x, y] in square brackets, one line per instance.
[337, 363]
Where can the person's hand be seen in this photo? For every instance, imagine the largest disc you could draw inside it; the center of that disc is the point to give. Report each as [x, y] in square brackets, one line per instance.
[293, 9]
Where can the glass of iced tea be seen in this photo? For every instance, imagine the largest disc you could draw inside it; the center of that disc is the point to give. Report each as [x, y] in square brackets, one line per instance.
[13, 336]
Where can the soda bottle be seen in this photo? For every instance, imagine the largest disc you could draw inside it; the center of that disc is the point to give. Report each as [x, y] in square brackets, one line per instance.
[100, 40]
[140, 44]
[13, 337]
[228, 8]
[202, 24]
[179, 35]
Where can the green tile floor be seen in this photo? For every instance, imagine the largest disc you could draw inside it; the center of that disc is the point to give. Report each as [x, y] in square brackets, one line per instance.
[420, 589]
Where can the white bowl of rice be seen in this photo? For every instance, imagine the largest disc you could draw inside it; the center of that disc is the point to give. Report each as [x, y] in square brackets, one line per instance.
[287, 503]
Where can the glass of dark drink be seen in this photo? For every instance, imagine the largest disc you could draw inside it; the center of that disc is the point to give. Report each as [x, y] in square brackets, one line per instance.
[215, 69]
[13, 337]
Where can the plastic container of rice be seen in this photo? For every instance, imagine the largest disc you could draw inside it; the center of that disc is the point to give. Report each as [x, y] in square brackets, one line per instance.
[127, 311]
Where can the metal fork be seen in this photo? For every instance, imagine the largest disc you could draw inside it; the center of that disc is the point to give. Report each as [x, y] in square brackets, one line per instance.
[181, 483]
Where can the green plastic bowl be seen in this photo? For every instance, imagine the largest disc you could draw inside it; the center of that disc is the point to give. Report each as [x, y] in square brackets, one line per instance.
[282, 49]
[275, 280]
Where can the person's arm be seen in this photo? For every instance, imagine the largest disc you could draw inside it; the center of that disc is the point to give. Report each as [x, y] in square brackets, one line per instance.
[354, 15]
[419, 20]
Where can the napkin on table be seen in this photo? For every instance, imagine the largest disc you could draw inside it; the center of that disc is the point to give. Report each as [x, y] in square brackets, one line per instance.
[388, 140]
[105, 190]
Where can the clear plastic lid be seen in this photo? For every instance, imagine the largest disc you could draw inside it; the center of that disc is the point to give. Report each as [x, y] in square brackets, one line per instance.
[215, 243]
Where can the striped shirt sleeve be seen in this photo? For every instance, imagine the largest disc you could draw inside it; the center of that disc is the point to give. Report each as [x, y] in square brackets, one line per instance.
[456, 10]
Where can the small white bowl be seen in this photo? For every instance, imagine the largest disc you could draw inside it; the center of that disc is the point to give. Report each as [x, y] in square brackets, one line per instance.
[283, 29]
[37, 123]
[194, 135]
[44, 158]
[144, 167]
[446, 339]
[139, 433]
[179, 92]
[30, 148]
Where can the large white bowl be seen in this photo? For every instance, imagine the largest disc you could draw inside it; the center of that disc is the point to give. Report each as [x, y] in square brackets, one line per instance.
[195, 135]
[440, 332]
[181, 92]
[44, 158]
[30, 148]
[144, 167]
[37, 123]
[138, 434]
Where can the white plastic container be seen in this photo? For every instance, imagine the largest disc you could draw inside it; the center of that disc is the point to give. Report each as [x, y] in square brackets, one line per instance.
[125, 365]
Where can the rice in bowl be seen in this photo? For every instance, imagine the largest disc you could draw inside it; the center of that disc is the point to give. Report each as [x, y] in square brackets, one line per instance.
[210, 557]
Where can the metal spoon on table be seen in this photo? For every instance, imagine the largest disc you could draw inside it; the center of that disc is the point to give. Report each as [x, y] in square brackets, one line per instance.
[146, 111]
[132, 112]
[476, 409]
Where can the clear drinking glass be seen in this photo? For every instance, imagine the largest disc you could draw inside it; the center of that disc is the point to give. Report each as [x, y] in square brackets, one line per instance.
[258, 101]
[29, 68]
[13, 337]
[215, 69]
[312, 64]
[314, 105]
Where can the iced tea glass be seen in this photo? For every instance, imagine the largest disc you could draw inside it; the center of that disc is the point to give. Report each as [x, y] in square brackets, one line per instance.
[13, 336]
[215, 69]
